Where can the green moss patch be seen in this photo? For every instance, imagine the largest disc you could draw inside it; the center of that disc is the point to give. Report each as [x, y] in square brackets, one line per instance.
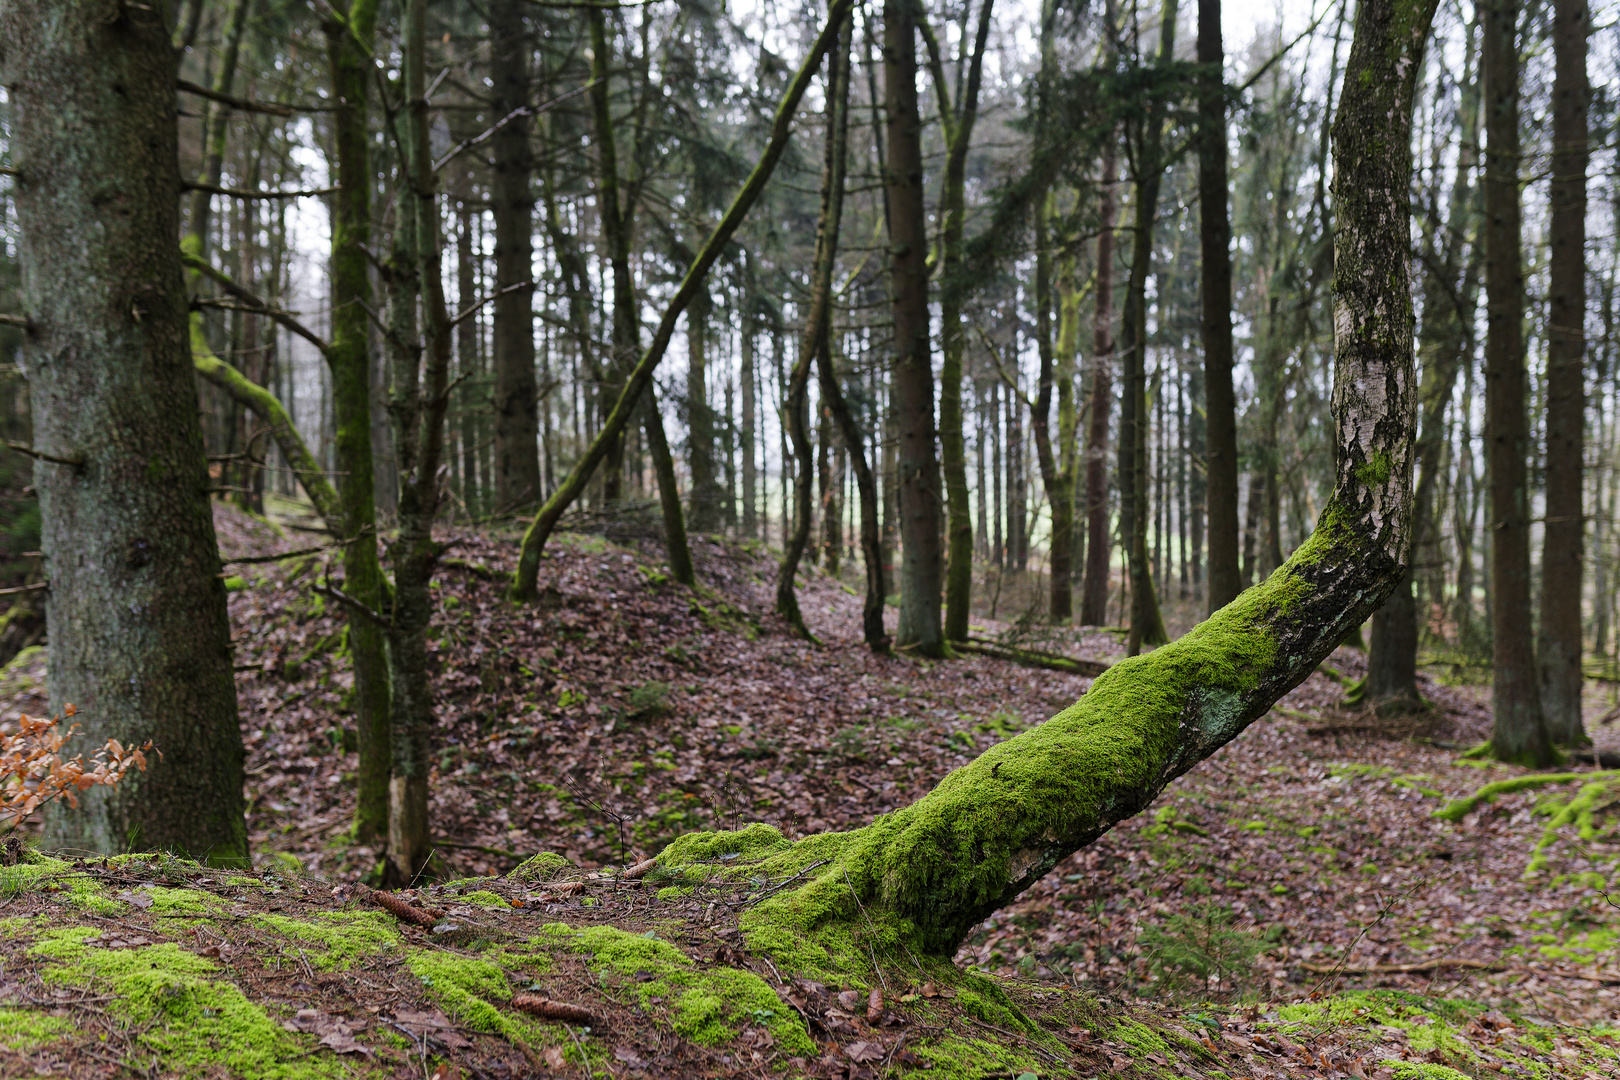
[469, 990]
[710, 1006]
[342, 937]
[24, 1029]
[191, 1022]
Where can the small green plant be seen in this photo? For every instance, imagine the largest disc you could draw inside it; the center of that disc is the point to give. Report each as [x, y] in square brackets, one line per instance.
[1205, 953]
[650, 699]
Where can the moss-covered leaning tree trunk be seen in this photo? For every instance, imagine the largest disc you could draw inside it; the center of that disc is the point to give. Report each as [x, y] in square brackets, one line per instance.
[349, 35]
[545, 519]
[814, 337]
[1558, 646]
[1518, 732]
[139, 637]
[923, 876]
[912, 383]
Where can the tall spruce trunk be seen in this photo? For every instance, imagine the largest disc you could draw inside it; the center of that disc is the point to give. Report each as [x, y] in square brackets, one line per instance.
[706, 495]
[922, 877]
[1518, 732]
[1099, 537]
[139, 637]
[349, 361]
[953, 333]
[920, 628]
[1558, 646]
[1059, 485]
[517, 407]
[1215, 242]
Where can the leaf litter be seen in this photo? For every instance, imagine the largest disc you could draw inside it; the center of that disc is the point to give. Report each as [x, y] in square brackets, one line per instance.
[1257, 914]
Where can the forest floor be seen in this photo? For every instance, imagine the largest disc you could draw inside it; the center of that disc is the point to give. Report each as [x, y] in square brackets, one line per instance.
[1246, 926]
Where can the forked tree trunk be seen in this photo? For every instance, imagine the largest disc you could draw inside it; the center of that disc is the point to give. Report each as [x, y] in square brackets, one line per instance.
[922, 877]
[139, 637]
[1518, 732]
[817, 324]
[1559, 644]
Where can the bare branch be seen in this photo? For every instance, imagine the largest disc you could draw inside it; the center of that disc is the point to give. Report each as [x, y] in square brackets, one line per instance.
[224, 281]
[245, 193]
[23, 448]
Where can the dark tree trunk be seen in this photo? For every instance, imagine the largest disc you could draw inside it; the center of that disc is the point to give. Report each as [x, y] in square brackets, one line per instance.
[1099, 537]
[1559, 643]
[921, 502]
[1518, 731]
[1215, 241]
[517, 412]
[140, 641]
[705, 496]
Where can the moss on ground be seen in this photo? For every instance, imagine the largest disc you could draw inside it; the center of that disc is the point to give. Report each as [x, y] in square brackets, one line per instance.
[710, 1006]
[342, 937]
[192, 1024]
[24, 1029]
[953, 1058]
[468, 989]
[541, 867]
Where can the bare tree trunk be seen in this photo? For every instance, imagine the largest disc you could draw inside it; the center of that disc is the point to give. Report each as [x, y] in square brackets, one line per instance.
[921, 500]
[1518, 731]
[1215, 241]
[139, 636]
[1099, 538]
[517, 412]
[1559, 643]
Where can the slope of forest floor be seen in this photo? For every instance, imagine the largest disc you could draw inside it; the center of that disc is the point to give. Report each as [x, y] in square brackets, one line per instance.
[1243, 927]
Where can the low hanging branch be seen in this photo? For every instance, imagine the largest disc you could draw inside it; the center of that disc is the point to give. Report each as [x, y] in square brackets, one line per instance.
[247, 296]
[545, 520]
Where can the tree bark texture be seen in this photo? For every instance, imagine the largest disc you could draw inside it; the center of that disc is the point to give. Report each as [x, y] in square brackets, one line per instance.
[1099, 537]
[517, 411]
[1518, 732]
[1215, 244]
[1558, 646]
[923, 876]
[960, 121]
[349, 361]
[921, 505]
[140, 641]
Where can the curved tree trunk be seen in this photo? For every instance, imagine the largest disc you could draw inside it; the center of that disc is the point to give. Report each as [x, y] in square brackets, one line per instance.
[140, 641]
[817, 324]
[922, 877]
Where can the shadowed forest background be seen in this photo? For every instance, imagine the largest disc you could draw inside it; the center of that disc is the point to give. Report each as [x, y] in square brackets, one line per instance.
[628, 420]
